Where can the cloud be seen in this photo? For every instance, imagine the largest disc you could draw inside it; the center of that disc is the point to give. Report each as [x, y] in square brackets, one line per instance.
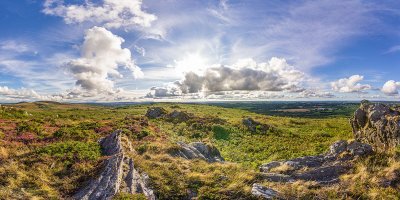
[171, 90]
[350, 84]
[315, 94]
[393, 49]
[391, 88]
[11, 45]
[275, 75]
[25, 94]
[101, 55]
[110, 13]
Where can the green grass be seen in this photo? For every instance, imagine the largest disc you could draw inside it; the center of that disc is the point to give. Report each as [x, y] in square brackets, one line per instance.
[64, 151]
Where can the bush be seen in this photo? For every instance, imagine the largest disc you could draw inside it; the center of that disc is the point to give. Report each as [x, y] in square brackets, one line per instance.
[220, 132]
[73, 133]
[71, 151]
[29, 126]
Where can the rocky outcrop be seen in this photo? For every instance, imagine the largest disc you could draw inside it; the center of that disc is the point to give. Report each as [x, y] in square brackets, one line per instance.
[198, 150]
[155, 112]
[254, 126]
[178, 116]
[323, 169]
[118, 173]
[376, 124]
[264, 192]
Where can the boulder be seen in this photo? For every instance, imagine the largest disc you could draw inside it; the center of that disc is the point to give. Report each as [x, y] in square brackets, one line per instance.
[253, 125]
[118, 173]
[155, 112]
[323, 169]
[198, 150]
[264, 192]
[376, 124]
[178, 116]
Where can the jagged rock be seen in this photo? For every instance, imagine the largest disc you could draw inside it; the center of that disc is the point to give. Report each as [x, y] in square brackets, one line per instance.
[264, 192]
[178, 116]
[376, 124]
[118, 173]
[155, 112]
[324, 168]
[253, 125]
[199, 150]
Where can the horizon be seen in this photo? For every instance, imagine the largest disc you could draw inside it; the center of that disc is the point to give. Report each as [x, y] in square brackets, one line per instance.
[99, 51]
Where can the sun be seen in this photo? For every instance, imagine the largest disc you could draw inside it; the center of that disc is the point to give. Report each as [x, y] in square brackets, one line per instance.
[193, 62]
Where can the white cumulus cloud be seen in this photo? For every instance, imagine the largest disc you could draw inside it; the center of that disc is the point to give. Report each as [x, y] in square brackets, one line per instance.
[391, 88]
[101, 55]
[350, 84]
[26, 94]
[110, 13]
[274, 75]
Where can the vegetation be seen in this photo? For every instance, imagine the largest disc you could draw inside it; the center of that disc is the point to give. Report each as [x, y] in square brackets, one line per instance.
[48, 150]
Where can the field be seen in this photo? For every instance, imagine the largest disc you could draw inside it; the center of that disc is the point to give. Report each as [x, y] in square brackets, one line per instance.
[48, 150]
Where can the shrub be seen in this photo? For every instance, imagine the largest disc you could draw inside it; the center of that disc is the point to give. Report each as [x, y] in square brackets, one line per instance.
[72, 150]
[73, 133]
[29, 126]
[220, 132]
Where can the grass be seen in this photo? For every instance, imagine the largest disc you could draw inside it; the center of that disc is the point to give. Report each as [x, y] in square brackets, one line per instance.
[48, 149]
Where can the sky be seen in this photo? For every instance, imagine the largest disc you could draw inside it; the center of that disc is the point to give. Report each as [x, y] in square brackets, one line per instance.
[200, 50]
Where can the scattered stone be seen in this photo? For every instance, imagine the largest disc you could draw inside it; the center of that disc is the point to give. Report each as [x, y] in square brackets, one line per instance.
[155, 112]
[199, 150]
[118, 173]
[377, 124]
[264, 192]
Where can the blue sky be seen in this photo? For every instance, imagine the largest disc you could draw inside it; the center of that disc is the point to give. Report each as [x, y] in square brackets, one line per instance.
[133, 50]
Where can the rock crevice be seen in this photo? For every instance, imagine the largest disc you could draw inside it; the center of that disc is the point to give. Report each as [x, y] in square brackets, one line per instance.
[118, 173]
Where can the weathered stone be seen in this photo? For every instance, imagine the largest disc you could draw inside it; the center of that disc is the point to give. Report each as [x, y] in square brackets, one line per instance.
[264, 192]
[155, 112]
[253, 125]
[359, 149]
[338, 147]
[178, 116]
[268, 166]
[323, 168]
[376, 124]
[199, 150]
[118, 173]
[323, 175]
[306, 161]
[276, 177]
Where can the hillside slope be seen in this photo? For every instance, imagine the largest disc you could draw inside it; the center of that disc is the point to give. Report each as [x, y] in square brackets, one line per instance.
[50, 150]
